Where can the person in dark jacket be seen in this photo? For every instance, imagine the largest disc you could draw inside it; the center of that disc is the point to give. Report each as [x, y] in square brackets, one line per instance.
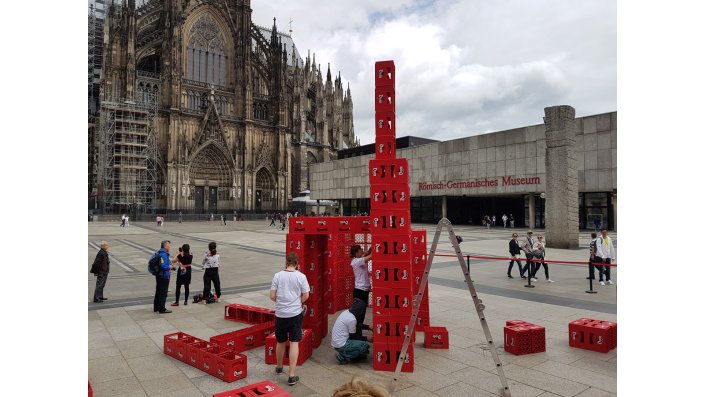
[514, 251]
[183, 275]
[162, 278]
[101, 268]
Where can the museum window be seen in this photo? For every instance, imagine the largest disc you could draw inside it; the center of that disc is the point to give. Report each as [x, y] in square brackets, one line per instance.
[426, 209]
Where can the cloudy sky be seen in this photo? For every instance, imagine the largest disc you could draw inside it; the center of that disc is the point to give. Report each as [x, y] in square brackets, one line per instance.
[464, 67]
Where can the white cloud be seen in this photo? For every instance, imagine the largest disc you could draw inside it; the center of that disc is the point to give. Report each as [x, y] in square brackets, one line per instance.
[463, 67]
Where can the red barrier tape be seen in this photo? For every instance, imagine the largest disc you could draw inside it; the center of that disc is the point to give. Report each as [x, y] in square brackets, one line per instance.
[533, 260]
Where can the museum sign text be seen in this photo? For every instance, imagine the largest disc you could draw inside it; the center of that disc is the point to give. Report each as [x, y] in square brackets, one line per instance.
[486, 182]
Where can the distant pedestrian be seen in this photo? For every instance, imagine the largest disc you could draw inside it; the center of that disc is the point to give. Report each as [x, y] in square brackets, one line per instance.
[183, 275]
[598, 223]
[591, 261]
[511, 221]
[222, 219]
[272, 222]
[101, 268]
[289, 291]
[211, 263]
[505, 219]
[180, 216]
[528, 248]
[494, 220]
[539, 254]
[162, 278]
[122, 223]
[127, 221]
[514, 251]
[605, 253]
[346, 336]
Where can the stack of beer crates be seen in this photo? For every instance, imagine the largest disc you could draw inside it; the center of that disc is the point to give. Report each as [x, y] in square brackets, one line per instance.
[390, 224]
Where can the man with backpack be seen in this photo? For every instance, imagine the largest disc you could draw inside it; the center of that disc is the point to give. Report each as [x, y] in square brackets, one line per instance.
[159, 266]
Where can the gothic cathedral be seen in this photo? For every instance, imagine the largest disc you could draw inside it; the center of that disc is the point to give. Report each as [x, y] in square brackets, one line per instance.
[237, 114]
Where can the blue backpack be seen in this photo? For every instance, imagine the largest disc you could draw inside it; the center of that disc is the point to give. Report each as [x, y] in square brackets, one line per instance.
[153, 264]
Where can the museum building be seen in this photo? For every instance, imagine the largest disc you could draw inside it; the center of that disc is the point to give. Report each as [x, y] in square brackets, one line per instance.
[497, 173]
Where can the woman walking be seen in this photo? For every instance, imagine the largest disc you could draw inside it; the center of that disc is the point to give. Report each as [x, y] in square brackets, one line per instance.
[183, 275]
[211, 263]
[539, 254]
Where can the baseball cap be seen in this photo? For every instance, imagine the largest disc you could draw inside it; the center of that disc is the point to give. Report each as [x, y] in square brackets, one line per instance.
[529, 232]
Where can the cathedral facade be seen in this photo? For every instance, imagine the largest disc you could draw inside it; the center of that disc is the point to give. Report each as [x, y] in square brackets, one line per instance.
[238, 116]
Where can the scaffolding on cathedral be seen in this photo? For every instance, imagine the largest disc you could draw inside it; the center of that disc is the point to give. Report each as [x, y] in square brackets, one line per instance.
[95, 64]
[128, 155]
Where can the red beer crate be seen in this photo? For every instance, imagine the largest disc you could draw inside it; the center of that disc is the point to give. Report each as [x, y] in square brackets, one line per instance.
[244, 339]
[90, 389]
[435, 338]
[389, 196]
[385, 148]
[416, 280]
[511, 323]
[305, 349]
[517, 340]
[248, 314]
[423, 319]
[387, 355]
[418, 259]
[418, 240]
[390, 329]
[384, 74]
[309, 225]
[596, 335]
[209, 358]
[230, 366]
[388, 221]
[537, 338]
[391, 247]
[359, 224]
[386, 172]
[391, 275]
[194, 352]
[385, 124]
[392, 302]
[266, 388]
[171, 341]
[385, 99]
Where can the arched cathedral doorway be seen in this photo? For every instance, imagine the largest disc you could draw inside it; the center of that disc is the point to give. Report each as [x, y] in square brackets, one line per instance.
[211, 177]
[264, 191]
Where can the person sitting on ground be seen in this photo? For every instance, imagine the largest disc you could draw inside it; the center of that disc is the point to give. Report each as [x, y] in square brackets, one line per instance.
[348, 343]
[359, 388]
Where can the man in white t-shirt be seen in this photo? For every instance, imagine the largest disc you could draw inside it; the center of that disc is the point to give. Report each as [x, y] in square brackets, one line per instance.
[289, 291]
[345, 337]
[362, 277]
[604, 253]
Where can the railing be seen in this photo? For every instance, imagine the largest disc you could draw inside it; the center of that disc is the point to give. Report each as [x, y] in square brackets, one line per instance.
[147, 75]
[205, 85]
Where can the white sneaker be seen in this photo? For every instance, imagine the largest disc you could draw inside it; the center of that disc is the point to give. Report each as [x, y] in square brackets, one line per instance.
[609, 282]
[550, 281]
[602, 283]
[533, 279]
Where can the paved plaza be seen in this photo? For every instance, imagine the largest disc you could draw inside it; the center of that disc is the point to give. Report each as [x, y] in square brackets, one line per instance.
[125, 337]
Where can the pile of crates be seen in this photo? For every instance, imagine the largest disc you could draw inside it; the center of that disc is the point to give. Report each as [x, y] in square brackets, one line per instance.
[590, 334]
[522, 337]
[220, 361]
[398, 252]
[323, 245]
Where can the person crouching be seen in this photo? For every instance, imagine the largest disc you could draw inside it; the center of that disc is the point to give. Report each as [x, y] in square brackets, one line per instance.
[345, 338]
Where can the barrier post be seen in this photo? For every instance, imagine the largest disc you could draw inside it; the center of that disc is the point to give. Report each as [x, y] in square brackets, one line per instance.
[590, 291]
[467, 257]
[528, 266]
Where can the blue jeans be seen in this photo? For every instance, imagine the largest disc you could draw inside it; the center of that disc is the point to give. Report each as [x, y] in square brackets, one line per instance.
[351, 350]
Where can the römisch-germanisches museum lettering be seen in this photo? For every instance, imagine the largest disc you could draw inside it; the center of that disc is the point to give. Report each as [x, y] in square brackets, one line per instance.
[485, 182]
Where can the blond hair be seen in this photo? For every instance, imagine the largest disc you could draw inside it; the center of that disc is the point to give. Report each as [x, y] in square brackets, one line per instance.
[359, 388]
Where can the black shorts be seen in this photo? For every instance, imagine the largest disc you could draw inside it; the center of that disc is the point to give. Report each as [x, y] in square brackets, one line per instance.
[288, 328]
[362, 295]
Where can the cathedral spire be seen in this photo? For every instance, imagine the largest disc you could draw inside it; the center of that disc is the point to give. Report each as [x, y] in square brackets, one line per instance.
[328, 76]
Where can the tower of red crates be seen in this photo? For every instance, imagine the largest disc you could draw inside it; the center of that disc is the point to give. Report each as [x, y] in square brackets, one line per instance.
[398, 252]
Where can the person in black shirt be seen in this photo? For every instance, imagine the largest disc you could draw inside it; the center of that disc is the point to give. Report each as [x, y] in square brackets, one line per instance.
[514, 251]
[183, 275]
